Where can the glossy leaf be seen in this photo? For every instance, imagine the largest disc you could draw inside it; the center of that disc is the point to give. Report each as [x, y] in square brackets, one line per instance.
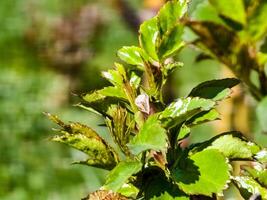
[262, 114]
[232, 144]
[231, 10]
[88, 141]
[204, 173]
[132, 55]
[152, 136]
[120, 174]
[248, 187]
[148, 37]
[214, 89]
[183, 109]
[171, 42]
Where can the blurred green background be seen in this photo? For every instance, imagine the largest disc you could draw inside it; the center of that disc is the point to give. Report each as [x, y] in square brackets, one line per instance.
[50, 49]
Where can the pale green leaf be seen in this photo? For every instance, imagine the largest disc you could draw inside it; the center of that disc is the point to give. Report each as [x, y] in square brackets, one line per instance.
[120, 174]
[261, 156]
[204, 173]
[258, 173]
[183, 132]
[128, 190]
[152, 136]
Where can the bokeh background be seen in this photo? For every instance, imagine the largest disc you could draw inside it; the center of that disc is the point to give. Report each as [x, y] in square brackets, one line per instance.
[52, 49]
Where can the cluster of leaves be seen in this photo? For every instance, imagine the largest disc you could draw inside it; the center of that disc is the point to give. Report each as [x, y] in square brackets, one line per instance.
[151, 162]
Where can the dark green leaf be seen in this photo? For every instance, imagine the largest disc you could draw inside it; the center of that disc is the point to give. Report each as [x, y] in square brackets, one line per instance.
[88, 141]
[120, 174]
[248, 187]
[214, 89]
[150, 137]
[183, 109]
[204, 173]
[148, 37]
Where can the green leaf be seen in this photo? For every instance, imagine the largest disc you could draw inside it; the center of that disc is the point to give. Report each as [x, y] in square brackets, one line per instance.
[202, 117]
[183, 132]
[148, 37]
[248, 187]
[205, 173]
[158, 187]
[258, 173]
[128, 190]
[133, 55]
[257, 26]
[88, 141]
[152, 136]
[183, 109]
[171, 42]
[231, 10]
[120, 174]
[262, 114]
[214, 89]
[232, 144]
[169, 15]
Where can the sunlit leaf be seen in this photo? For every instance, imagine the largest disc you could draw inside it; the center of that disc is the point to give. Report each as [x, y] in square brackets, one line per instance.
[152, 136]
[88, 141]
[258, 173]
[214, 89]
[183, 132]
[133, 55]
[205, 173]
[148, 37]
[232, 144]
[248, 187]
[183, 109]
[120, 174]
[128, 190]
